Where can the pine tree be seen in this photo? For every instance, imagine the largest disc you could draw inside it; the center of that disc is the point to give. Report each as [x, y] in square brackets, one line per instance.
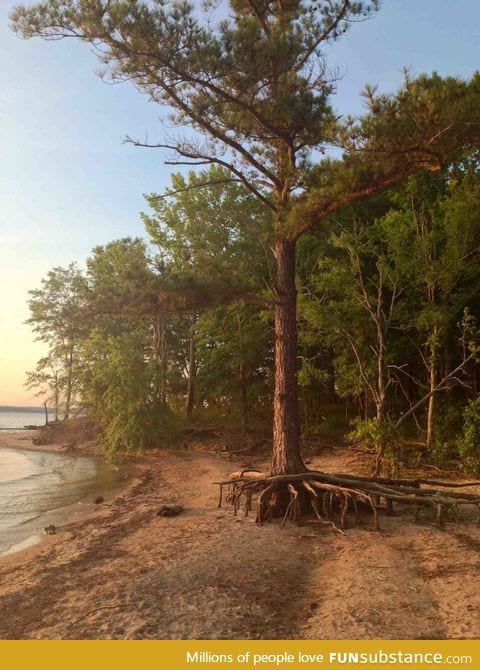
[260, 118]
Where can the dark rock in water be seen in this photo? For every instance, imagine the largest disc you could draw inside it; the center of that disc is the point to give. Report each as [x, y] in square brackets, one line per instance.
[170, 510]
[50, 530]
[98, 500]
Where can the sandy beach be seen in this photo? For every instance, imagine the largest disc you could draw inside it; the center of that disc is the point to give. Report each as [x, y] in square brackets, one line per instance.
[22, 439]
[123, 572]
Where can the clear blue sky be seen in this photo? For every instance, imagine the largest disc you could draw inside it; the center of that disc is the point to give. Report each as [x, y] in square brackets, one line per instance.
[68, 183]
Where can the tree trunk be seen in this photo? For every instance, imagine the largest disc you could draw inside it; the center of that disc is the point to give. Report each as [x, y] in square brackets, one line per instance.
[432, 379]
[68, 398]
[57, 397]
[242, 373]
[431, 406]
[243, 396]
[192, 370]
[331, 380]
[286, 457]
[161, 358]
[381, 390]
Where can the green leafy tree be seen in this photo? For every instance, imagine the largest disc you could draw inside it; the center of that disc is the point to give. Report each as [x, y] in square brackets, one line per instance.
[235, 353]
[440, 238]
[388, 291]
[45, 381]
[57, 318]
[117, 389]
[124, 388]
[208, 238]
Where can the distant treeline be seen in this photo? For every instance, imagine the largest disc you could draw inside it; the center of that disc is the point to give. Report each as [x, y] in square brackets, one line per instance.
[34, 410]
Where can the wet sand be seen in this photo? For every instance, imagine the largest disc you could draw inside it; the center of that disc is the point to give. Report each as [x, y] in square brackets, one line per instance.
[43, 486]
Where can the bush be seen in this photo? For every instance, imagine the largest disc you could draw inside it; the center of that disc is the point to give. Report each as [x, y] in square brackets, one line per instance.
[448, 424]
[469, 443]
[119, 390]
[382, 436]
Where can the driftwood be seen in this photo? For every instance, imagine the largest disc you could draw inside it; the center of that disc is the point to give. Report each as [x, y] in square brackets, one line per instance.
[331, 495]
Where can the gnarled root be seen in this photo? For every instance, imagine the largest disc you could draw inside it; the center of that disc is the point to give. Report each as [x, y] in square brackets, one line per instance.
[331, 496]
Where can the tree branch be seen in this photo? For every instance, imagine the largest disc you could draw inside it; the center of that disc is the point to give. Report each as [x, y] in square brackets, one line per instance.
[437, 387]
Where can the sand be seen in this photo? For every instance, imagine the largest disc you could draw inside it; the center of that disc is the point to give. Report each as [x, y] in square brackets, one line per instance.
[22, 439]
[126, 573]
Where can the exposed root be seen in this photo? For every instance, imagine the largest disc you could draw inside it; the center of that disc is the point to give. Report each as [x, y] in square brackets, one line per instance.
[331, 496]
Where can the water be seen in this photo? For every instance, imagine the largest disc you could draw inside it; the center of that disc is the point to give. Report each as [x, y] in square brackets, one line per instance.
[21, 417]
[38, 489]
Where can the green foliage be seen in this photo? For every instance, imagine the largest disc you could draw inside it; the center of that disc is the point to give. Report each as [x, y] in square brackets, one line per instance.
[380, 435]
[448, 424]
[57, 317]
[118, 392]
[46, 381]
[208, 228]
[469, 442]
[429, 513]
[207, 241]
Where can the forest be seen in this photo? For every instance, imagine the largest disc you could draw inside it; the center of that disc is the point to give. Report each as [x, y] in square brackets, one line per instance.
[387, 313]
[316, 273]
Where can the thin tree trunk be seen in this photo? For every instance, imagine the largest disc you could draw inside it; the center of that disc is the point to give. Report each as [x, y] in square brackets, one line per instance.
[192, 371]
[243, 396]
[57, 396]
[431, 406]
[161, 358]
[243, 378]
[164, 372]
[331, 382]
[68, 398]
[286, 457]
[381, 390]
[46, 412]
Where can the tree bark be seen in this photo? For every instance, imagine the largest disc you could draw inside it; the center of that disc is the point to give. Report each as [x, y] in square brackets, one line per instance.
[434, 344]
[243, 396]
[68, 398]
[242, 373]
[431, 406]
[286, 458]
[192, 371]
[56, 396]
[161, 358]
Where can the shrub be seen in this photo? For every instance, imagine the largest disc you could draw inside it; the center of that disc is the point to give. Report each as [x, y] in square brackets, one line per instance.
[380, 435]
[469, 443]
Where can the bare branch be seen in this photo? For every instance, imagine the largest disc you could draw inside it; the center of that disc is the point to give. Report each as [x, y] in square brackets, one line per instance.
[438, 387]
[203, 159]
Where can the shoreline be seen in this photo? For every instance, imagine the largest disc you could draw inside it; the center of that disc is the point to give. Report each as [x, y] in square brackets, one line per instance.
[23, 439]
[66, 532]
[15, 441]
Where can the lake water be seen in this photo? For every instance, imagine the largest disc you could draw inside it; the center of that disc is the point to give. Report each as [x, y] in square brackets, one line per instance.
[19, 419]
[39, 489]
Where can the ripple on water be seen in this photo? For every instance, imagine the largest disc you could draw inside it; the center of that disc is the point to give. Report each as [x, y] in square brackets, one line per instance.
[37, 489]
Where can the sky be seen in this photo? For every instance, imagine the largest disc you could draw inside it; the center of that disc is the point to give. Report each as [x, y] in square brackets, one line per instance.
[68, 183]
